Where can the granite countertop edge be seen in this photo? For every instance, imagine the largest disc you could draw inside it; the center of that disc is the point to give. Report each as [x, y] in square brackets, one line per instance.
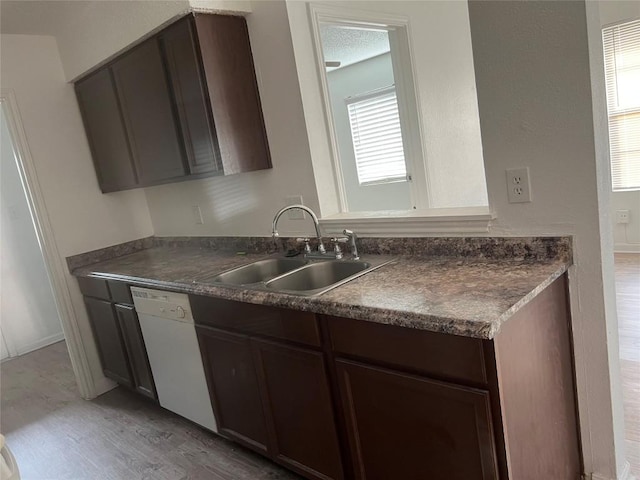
[485, 329]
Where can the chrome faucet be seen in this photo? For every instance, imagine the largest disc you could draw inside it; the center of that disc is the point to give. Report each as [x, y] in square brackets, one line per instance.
[354, 248]
[274, 231]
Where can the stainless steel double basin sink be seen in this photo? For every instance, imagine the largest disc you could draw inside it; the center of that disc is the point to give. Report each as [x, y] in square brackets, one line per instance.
[296, 275]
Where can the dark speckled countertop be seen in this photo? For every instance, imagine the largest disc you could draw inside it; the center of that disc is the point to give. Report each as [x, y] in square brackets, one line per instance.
[469, 296]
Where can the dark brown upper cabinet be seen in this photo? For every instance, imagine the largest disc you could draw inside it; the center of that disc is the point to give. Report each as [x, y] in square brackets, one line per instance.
[147, 112]
[106, 132]
[192, 99]
[183, 104]
[233, 92]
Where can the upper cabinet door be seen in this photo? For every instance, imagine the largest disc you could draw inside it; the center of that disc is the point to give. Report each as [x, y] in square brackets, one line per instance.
[105, 131]
[233, 91]
[191, 97]
[147, 109]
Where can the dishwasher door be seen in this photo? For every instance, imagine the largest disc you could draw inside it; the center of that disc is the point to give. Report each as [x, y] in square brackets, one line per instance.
[174, 355]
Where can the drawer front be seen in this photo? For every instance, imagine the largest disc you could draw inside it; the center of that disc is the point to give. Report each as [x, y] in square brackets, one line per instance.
[292, 325]
[120, 292]
[446, 356]
[94, 287]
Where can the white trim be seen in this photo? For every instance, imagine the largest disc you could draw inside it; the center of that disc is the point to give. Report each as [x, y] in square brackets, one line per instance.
[43, 342]
[413, 223]
[626, 248]
[406, 92]
[55, 267]
[624, 475]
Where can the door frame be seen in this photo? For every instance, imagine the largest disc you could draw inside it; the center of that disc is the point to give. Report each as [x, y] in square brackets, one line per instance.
[54, 262]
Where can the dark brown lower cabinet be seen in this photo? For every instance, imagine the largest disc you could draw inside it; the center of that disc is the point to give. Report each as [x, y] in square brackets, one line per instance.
[232, 381]
[296, 393]
[116, 330]
[274, 398]
[108, 336]
[338, 398]
[411, 427]
[136, 350]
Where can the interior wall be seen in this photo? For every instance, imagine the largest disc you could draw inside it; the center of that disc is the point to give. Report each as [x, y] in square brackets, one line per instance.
[349, 81]
[91, 31]
[626, 236]
[446, 95]
[532, 64]
[245, 204]
[81, 217]
[28, 310]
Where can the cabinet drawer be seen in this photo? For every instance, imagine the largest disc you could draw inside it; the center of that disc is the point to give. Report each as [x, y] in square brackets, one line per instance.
[446, 356]
[94, 287]
[120, 292]
[295, 326]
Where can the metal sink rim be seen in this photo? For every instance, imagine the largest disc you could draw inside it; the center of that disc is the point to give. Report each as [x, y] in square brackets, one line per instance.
[216, 279]
[373, 262]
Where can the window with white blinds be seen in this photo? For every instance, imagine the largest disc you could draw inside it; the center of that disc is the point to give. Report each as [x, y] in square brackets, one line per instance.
[622, 70]
[377, 137]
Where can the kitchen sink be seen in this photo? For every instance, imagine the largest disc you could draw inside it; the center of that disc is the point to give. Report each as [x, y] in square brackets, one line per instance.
[257, 272]
[318, 276]
[296, 276]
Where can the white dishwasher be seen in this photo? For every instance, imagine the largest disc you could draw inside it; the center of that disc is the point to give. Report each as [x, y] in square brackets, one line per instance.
[174, 355]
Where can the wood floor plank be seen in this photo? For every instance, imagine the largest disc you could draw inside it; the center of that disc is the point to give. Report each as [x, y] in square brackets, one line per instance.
[55, 435]
[628, 302]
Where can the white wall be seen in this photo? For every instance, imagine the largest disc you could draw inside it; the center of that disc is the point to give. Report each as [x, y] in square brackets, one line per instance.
[352, 80]
[28, 315]
[245, 204]
[444, 78]
[626, 237]
[532, 63]
[89, 32]
[82, 218]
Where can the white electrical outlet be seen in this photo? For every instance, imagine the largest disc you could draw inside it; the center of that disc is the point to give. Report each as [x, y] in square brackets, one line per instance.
[197, 215]
[622, 216]
[296, 214]
[518, 185]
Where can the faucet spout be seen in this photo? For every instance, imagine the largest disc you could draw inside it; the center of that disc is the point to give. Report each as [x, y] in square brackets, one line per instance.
[316, 224]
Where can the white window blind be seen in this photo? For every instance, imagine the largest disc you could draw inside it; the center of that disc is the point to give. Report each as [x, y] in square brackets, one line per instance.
[622, 71]
[377, 137]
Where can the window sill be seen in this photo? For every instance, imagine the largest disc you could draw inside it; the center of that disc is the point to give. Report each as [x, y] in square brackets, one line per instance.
[413, 223]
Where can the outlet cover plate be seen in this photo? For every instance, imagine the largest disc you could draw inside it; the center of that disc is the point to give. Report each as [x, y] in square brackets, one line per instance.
[622, 216]
[518, 185]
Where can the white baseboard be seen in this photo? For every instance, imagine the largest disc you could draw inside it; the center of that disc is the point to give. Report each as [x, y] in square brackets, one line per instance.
[625, 474]
[626, 248]
[102, 385]
[43, 342]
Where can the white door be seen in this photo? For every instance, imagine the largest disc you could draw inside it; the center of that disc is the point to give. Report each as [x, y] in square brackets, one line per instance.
[28, 312]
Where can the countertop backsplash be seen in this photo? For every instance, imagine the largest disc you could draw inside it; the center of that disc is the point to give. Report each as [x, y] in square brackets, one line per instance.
[516, 248]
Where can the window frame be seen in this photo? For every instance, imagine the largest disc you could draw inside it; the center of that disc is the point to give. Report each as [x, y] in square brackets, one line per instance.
[421, 220]
[615, 112]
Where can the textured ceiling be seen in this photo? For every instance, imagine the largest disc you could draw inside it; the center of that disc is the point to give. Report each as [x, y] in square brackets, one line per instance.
[349, 45]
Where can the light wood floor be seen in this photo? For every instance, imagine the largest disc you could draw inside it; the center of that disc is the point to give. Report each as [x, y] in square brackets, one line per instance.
[55, 435]
[628, 300]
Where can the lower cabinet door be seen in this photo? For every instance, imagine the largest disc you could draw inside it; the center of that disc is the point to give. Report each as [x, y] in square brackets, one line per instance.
[408, 427]
[136, 350]
[108, 336]
[300, 414]
[235, 394]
